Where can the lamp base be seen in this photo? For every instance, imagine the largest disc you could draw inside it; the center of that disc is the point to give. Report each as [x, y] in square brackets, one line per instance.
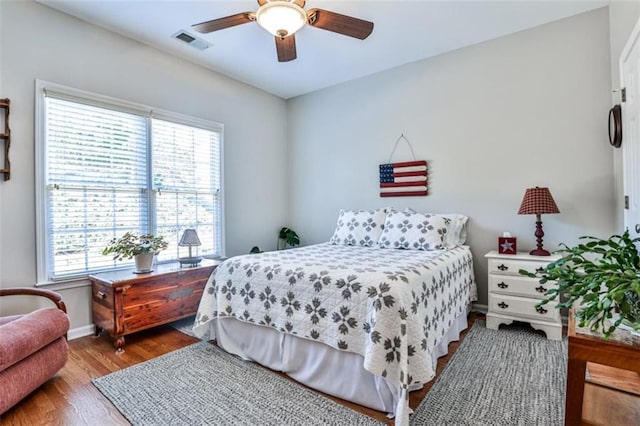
[539, 252]
[191, 261]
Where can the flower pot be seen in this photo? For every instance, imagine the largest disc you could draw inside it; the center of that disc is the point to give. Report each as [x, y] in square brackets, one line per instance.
[144, 263]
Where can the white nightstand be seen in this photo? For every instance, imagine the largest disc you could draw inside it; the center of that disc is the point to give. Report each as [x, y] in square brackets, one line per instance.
[513, 297]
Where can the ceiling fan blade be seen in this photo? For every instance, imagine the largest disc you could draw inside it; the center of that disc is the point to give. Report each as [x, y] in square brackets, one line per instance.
[341, 24]
[226, 22]
[286, 47]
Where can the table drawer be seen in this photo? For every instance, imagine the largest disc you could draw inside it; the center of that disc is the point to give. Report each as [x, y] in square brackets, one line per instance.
[512, 267]
[517, 286]
[521, 307]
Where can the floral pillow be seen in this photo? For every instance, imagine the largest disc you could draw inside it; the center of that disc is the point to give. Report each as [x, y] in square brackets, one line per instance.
[456, 228]
[359, 228]
[413, 231]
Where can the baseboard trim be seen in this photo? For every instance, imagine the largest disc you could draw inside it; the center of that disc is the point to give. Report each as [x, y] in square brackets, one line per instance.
[78, 332]
[476, 307]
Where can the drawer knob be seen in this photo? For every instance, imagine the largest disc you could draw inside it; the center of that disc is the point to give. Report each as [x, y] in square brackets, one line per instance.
[503, 285]
[541, 289]
[101, 295]
[539, 270]
[503, 305]
[503, 267]
[541, 310]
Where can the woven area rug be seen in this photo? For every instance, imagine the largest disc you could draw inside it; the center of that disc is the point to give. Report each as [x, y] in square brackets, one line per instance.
[203, 385]
[512, 376]
[184, 326]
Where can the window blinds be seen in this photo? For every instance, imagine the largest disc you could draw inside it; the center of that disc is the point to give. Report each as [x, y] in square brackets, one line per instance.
[110, 171]
[186, 179]
[95, 183]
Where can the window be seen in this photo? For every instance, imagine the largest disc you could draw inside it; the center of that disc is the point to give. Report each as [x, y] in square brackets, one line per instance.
[106, 167]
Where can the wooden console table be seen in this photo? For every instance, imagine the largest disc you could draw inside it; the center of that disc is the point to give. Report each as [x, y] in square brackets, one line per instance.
[124, 302]
[622, 350]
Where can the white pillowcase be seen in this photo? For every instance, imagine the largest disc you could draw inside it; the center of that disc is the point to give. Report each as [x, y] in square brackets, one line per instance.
[359, 228]
[456, 228]
[413, 231]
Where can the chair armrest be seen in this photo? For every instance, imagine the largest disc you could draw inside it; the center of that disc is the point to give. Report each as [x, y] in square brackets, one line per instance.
[30, 333]
[25, 291]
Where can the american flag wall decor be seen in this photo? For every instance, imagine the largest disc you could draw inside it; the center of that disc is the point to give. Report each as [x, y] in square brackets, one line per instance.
[407, 179]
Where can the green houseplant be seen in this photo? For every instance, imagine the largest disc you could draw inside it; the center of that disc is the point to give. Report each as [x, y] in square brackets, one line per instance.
[603, 276]
[140, 247]
[286, 237]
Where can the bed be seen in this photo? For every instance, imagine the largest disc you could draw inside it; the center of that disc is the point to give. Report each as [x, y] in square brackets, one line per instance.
[363, 323]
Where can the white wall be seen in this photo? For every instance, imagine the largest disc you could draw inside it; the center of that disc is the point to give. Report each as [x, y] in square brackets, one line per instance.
[623, 15]
[40, 43]
[492, 119]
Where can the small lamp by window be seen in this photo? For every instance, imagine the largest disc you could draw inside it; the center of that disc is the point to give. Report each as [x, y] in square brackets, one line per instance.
[538, 201]
[189, 239]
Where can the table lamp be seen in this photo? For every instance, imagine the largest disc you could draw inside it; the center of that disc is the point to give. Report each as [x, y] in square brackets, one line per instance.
[538, 201]
[189, 239]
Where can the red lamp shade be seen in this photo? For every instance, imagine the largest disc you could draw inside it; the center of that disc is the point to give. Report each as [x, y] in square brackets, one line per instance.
[538, 201]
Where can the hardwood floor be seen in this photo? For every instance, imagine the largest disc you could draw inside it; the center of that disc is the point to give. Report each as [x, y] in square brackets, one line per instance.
[70, 398]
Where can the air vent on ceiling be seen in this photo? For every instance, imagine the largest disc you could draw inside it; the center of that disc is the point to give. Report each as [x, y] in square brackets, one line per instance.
[191, 40]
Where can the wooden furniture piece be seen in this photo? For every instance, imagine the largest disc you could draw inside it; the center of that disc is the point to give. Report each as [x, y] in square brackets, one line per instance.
[6, 137]
[513, 297]
[622, 350]
[124, 302]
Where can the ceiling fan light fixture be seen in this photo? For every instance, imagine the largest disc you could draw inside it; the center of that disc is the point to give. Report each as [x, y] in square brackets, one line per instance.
[281, 18]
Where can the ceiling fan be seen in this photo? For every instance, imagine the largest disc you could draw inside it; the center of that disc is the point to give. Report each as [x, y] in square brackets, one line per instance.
[283, 18]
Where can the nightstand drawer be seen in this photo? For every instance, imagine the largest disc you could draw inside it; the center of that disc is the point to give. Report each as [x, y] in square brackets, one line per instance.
[516, 286]
[521, 307]
[512, 267]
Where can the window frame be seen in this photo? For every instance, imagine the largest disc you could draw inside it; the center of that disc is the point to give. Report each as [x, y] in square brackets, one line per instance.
[102, 101]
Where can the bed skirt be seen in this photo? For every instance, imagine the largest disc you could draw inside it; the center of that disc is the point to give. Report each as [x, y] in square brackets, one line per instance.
[317, 365]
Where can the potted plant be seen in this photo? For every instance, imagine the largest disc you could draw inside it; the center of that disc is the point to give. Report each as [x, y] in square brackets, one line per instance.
[603, 276]
[141, 247]
[286, 237]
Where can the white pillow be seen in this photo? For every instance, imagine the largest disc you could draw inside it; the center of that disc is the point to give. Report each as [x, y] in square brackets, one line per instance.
[456, 228]
[413, 231]
[359, 228]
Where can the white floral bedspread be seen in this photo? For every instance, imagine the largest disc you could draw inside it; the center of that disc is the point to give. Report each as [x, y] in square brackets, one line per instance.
[390, 306]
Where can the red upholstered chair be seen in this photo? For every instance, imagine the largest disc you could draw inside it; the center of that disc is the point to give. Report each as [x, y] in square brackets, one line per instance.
[33, 347]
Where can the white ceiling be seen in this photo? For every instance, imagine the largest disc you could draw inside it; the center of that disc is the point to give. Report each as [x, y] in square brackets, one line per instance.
[404, 31]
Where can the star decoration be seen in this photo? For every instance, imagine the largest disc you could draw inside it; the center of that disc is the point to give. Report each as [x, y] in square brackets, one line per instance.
[507, 246]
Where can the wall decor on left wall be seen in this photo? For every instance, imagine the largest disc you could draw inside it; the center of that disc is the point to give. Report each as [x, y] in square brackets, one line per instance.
[6, 137]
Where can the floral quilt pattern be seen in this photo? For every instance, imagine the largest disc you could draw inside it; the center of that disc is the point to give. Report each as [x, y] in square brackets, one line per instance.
[390, 306]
